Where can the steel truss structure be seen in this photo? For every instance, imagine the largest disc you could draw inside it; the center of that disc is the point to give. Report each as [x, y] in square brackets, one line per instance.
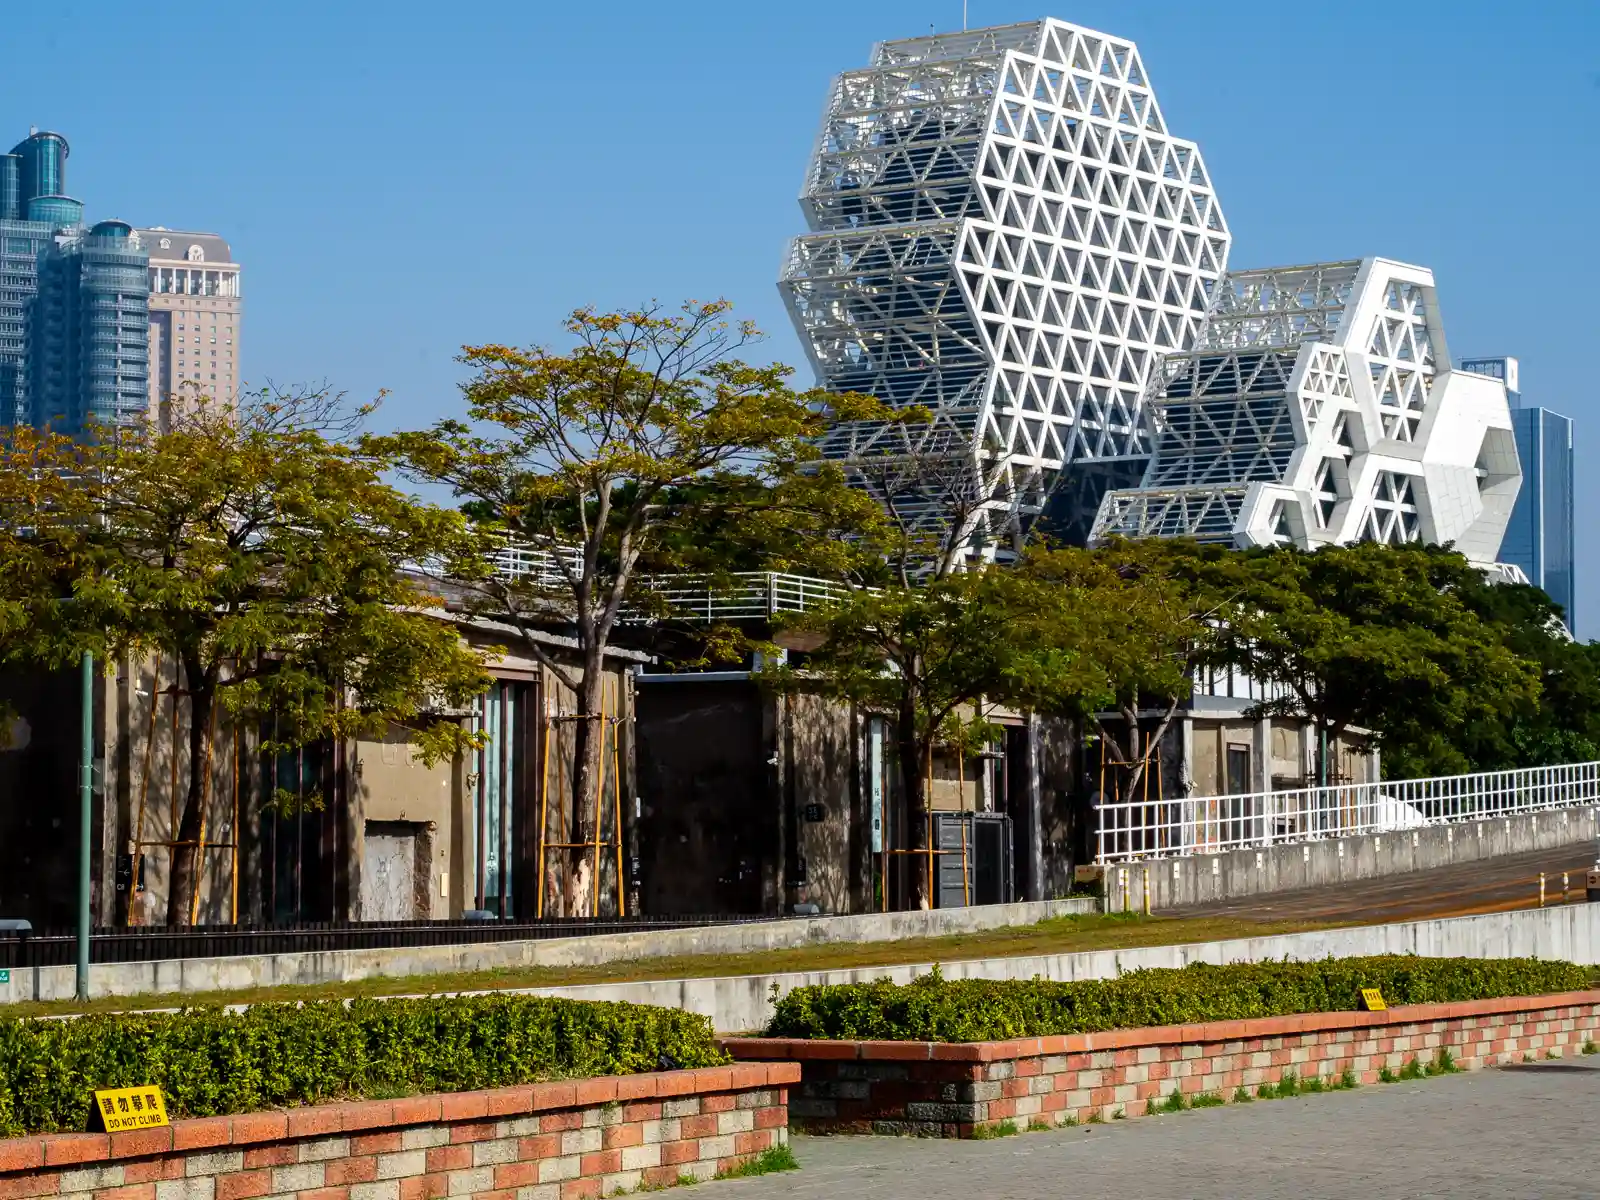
[1320, 407]
[1003, 231]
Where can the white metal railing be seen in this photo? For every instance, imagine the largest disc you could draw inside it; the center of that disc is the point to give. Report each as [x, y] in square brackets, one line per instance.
[1146, 829]
[519, 561]
[744, 596]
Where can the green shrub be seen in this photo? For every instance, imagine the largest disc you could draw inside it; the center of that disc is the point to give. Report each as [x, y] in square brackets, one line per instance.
[935, 1009]
[209, 1061]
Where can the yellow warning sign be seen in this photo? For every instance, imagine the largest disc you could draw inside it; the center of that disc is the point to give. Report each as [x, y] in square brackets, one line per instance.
[129, 1108]
[1372, 1000]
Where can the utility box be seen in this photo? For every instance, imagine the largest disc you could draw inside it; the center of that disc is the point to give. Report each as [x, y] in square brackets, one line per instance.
[983, 875]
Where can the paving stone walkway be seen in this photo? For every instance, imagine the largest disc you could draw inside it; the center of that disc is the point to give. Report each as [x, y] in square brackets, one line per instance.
[1516, 1131]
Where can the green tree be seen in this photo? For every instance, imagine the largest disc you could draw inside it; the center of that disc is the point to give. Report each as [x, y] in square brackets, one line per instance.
[1051, 639]
[1563, 726]
[269, 560]
[648, 444]
[1164, 609]
[1368, 636]
[37, 568]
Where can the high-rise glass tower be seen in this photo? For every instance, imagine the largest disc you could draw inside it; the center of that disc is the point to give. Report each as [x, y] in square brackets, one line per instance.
[1005, 232]
[1541, 538]
[74, 301]
[90, 330]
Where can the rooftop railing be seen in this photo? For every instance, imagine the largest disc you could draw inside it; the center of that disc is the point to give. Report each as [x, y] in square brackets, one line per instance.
[743, 596]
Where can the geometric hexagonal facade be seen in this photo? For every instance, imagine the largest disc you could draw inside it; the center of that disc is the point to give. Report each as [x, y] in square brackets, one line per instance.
[1005, 232]
[1318, 407]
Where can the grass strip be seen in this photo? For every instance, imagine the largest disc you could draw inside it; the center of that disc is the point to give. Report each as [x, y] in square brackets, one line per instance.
[1059, 935]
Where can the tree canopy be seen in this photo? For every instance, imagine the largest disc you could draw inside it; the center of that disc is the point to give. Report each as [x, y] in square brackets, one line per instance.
[266, 558]
[647, 443]
[1066, 635]
[1380, 638]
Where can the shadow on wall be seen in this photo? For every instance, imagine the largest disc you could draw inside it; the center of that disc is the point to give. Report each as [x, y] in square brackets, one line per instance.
[38, 797]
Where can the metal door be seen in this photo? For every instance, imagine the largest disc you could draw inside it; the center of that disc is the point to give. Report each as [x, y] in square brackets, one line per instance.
[986, 876]
[389, 873]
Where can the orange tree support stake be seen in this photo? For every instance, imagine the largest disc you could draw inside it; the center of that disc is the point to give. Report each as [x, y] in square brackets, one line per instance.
[1100, 841]
[600, 787]
[233, 905]
[205, 809]
[927, 879]
[1164, 835]
[616, 805]
[144, 782]
[1144, 806]
[172, 796]
[961, 767]
[544, 795]
[966, 891]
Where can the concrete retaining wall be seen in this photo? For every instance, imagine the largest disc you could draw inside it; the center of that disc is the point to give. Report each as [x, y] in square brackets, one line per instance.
[740, 1004]
[197, 975]
[1203, 878]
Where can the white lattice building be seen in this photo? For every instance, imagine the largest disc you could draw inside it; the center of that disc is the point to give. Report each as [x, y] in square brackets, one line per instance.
[1004, 231]
[1320, 407]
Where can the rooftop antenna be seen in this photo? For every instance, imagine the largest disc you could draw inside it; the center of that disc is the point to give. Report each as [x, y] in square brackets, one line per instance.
[963, 16]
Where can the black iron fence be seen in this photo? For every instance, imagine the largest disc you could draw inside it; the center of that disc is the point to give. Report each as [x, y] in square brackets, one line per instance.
[53, 948]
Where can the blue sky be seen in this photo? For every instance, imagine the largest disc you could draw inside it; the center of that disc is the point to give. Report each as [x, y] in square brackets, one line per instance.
[400, 178]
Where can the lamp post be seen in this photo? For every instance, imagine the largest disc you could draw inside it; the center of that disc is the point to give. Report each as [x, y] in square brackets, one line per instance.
[85, 818]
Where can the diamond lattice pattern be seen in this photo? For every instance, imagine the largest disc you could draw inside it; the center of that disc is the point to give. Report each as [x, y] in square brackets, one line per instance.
[1004, 231]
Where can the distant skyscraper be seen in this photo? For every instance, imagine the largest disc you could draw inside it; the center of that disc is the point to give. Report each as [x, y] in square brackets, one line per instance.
[102, 324]
[195, 311]
[88, 351]
[31, 210]
[1541, 536]
[73, 300]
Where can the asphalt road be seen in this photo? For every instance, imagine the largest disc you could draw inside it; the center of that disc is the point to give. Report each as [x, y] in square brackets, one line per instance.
[1514, 1131]
[1494, 885]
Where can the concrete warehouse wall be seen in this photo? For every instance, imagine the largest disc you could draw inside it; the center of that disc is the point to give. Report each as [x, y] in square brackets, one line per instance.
[741, 1004]
[1203, 878]
[197, 975]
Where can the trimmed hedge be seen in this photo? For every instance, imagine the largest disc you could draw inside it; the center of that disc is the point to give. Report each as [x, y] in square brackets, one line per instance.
[935, 1009]
[209, 1061]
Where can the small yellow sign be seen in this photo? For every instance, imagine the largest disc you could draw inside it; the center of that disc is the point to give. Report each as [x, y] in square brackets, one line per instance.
[117, 1109]
[1372, 1000]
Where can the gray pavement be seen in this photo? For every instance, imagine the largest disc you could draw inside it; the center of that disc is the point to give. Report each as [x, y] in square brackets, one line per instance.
[1515, 1131]
[1489, 885]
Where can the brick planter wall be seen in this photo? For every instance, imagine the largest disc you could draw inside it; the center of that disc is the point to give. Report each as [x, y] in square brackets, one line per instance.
[951, 1090]
[551, 1141]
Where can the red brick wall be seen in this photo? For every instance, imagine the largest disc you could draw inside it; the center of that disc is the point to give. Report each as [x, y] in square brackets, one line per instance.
[551, 1141]
[950, 1090]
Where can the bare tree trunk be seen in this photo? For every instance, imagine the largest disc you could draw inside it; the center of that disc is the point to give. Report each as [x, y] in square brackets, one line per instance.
[186, 855]
[588, 739]
[1155, 740]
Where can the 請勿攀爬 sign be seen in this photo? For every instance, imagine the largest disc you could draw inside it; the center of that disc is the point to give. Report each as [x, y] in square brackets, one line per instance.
[129, 1108]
